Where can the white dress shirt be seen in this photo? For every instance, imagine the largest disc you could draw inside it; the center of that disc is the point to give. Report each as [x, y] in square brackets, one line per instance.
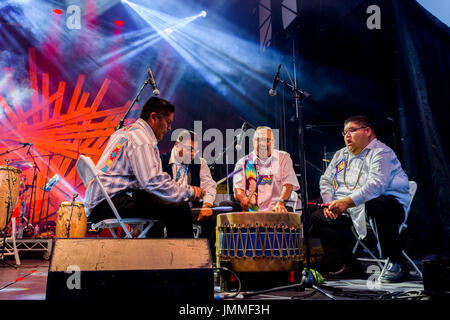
[206, 181]
[381, 174]
[131, 161]
[278, 170]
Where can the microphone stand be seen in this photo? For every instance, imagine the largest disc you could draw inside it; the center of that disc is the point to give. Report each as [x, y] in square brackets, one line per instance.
[231, 145]
[136, 99]
[298, 95]
[308, 281]
[8, 151]
[33, 188]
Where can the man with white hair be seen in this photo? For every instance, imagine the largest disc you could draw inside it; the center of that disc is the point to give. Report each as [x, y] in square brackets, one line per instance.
[267, 178]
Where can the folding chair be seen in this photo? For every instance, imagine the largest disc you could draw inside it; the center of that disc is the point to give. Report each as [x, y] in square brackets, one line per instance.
[373, 226]
[88, 174]
[295, 202]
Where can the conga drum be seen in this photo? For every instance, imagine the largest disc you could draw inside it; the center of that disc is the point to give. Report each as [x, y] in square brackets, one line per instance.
[71, 220]
[259, 241]
[6, 188]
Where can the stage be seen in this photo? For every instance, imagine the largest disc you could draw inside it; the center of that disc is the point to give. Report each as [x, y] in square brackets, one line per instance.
[29, 282]
[289, 106]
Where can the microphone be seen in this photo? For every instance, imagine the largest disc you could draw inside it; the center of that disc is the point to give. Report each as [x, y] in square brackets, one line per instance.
[240, 137]
[152, 82]
[273, 91]
[26, 144]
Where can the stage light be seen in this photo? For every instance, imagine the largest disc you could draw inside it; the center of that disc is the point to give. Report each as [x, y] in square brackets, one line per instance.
[119, 23]
[225, 60]
[57, 11]
[168, 30]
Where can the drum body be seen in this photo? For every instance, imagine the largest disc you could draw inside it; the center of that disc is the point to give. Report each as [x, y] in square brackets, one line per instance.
[5, 187]
[71, 220]
[259, 241]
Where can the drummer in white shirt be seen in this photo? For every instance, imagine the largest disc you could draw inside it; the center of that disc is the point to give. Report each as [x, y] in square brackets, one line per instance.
[188, 169]
[365, 178]
[274, 171]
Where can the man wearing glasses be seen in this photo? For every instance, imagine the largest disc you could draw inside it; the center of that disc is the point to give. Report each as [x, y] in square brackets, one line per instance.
[188, 169]
[130, 170]
[267, 179]
[365, 177]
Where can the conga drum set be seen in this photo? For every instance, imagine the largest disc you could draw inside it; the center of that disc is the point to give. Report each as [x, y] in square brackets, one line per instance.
[10, 182]
[13, 188]
[259, 242]
[71, 220]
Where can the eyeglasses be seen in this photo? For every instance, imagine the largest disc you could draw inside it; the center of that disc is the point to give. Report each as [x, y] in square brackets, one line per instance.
[187, 146]
[351, 130]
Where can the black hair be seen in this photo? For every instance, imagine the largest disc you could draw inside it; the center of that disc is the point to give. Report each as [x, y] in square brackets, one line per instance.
[361, 120]
[158, 105]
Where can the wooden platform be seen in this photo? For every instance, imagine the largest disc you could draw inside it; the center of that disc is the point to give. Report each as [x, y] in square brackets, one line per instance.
[29, 281]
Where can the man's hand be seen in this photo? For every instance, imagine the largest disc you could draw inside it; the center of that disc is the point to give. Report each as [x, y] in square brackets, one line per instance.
[198, 193]
[205, 212]
[340, 206]
[328, 214]
[245, 204]
[279, 207]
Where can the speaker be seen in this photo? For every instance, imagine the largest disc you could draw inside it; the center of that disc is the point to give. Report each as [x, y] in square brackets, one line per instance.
[124, 269]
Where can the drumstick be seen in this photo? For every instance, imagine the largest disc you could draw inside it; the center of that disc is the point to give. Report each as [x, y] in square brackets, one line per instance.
[223, 208]
[315, 204]
[230, 175]
[321, 205]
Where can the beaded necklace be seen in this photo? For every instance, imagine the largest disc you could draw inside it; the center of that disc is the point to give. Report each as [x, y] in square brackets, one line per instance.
[359, 174]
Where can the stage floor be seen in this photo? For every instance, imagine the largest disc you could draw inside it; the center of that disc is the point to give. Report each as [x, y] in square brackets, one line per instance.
[29, 281]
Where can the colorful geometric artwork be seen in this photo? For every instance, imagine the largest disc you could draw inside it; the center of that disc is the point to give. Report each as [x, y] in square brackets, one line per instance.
[59, 129]
[341, 165]
[335, 184]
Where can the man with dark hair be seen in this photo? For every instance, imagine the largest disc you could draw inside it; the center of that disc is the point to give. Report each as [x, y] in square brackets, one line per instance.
[185, 166]
[188, 169]
[131, 172]
[365, 177]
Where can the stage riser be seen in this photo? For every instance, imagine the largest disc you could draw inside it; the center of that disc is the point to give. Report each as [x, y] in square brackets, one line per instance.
[182, 285]
[158, 269]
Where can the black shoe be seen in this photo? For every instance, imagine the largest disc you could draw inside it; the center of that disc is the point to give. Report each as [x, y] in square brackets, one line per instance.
[394, 272]
[354, 271]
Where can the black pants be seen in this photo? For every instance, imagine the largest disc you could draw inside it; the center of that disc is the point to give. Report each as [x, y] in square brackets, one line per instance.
[208, 232]
[141, 204]
[337, 239]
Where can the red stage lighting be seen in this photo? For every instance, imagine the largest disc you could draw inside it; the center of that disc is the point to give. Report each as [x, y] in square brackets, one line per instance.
[57, 11]
[119, 23]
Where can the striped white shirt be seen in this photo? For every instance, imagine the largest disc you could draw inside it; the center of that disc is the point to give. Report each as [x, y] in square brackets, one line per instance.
[206, 181]
[131, 161]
